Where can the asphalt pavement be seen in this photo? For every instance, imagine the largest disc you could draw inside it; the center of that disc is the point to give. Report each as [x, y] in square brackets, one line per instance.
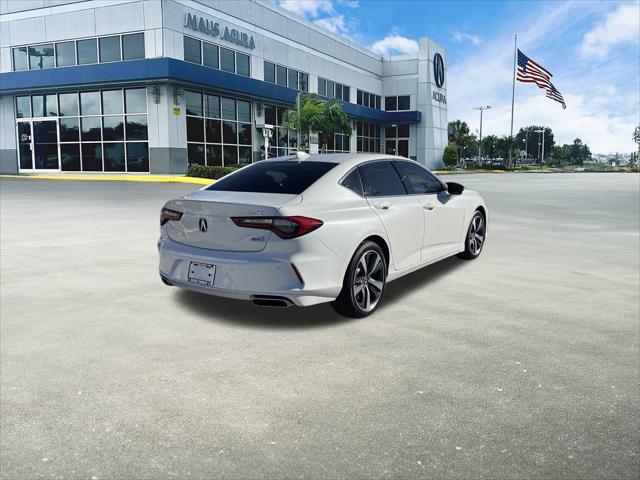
[522, 364]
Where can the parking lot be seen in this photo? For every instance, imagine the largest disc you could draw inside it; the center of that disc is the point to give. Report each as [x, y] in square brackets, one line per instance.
[521, 364]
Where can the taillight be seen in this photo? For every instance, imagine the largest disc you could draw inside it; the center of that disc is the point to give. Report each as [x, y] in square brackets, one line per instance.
[167, 214]
[284, 227]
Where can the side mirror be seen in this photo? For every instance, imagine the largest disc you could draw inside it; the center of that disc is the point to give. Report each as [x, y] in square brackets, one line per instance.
[454, 188]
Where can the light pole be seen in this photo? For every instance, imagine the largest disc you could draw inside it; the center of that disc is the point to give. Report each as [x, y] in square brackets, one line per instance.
[482, 109]
[542, 146]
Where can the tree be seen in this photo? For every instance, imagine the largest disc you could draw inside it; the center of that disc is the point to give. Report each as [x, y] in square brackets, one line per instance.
[450, 155]
[466, 143]
[579, 152]
[527, 138]
[489, 145]
[317, 115]
[636, 136]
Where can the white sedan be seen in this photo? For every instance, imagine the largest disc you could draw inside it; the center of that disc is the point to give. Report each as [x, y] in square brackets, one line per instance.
[307, 229]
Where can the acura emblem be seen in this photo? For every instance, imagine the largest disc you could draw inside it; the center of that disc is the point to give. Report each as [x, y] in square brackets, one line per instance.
[203, 225]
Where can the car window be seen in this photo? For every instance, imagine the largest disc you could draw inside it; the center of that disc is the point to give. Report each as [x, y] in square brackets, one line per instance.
[274, 177]
[380, 179]
[353, 183]
[417, 179]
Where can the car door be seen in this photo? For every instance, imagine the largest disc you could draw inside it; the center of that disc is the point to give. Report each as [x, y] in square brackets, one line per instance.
[443, 213]
[401, 214]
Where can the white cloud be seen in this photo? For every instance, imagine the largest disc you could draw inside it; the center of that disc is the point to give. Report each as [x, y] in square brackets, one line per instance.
[335, 24]
[460, 37]
[307, 8]
[619, 26]
[349, 3]
[395, 44]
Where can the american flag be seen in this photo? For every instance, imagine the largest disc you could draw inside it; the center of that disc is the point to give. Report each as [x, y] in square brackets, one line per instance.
[529, 71]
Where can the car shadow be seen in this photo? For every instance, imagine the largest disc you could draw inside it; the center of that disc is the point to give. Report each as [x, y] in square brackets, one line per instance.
[240, 312]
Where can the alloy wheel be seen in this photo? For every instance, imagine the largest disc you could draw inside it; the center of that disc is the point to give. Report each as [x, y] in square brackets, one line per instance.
[368, 280]
[476, 234]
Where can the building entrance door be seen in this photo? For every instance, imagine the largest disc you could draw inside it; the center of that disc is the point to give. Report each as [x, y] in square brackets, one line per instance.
[38, 145]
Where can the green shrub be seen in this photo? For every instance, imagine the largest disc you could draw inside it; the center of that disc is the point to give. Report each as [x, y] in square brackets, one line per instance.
[213, 172]
[450, 156]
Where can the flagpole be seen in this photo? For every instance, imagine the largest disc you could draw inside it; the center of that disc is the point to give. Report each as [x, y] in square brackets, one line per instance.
[513, 94]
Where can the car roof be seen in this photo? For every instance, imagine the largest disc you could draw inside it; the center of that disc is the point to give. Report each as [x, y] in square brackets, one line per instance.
[341, 158]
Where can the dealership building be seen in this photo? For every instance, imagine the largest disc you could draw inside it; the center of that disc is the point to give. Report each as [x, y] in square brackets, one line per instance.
[156, 86]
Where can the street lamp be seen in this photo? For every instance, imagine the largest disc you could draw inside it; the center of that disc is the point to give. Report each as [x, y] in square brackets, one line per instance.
[482, 109]
[541, 156]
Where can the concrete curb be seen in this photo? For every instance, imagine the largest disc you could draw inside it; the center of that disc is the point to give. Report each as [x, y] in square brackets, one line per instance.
[118, 178]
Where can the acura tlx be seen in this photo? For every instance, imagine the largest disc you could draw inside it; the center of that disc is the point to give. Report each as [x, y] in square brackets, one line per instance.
[306, 229]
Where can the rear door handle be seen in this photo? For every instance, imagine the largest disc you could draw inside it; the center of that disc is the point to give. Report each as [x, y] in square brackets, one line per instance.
[428, 206]
[382, 205]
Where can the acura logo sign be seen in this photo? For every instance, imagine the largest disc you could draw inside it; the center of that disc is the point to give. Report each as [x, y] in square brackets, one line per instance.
[203, 225]
[438, 70]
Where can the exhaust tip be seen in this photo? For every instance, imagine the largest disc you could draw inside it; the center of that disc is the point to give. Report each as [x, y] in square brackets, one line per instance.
[271, 301]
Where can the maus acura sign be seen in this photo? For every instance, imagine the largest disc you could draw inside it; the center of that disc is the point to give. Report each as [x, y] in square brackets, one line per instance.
[213, 28]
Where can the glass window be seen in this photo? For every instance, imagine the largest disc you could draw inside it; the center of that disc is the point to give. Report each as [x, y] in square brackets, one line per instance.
[87, 51]
[403, 102]
[269, 72]
[346, 93]
[193, 101]
[90, 103]
[37, 106]
[70, 157]
[281, 75]
[416, 179]
[229, 132]
[195, 154]
[210, 55]
[244, 111]
[113, 127]
[390, 132]
[304, 82]
[20, 59]
[359, 97]
[322, 87]
[338, 91]
[137, 157]
[112, 102]
[66, 54]
[51, 106]
[212, 106]
[230, 154]
[244, 154]
[228, 108]
[244, 133]
[136, 100]
[109, 49]
[23, 107]
[114, 157]
[213, 131]
[391, 103]
[192, 51]
[136, 127]
[133, 46]
[90, 129]
[403, 148]
[195, 129]
[68, 104]
[378, 100]
[91, 157]
[242, 61]
[331, 89]
[69, 130]
[227, 61]
[41, 56]
[293, 79]
[380, 179]
[352, 182]
[214, 154]
[274, 177]
[403, 130]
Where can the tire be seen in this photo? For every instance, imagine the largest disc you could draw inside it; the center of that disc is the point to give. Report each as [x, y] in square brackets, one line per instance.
[476, 234]
[364, 282]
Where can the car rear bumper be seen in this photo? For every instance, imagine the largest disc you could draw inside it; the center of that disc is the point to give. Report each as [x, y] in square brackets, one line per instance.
[246, 275]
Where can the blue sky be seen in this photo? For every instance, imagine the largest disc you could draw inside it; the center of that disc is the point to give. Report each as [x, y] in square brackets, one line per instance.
[591, 47]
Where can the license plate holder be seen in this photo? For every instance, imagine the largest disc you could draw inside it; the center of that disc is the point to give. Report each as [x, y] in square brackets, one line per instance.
[202, 273]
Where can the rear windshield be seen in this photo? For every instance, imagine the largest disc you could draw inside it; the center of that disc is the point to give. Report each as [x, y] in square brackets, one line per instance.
[274, 177]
